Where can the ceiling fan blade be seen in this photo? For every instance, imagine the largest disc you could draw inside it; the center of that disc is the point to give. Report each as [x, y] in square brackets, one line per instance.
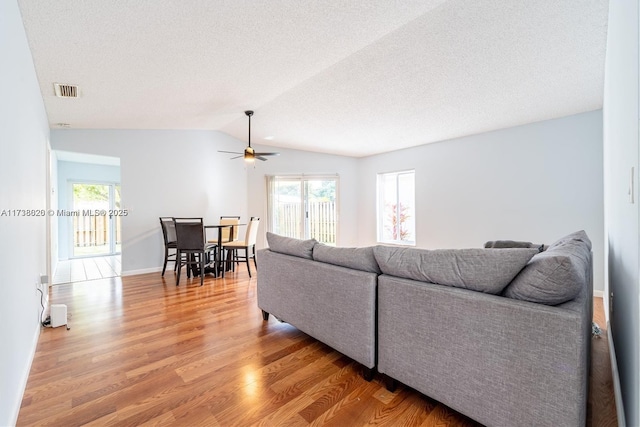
[261, 158]
[267, 154]
[230, 152]
[238, 157]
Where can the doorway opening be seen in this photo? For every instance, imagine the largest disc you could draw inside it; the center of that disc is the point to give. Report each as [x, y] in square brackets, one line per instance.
[96, 224]
[86, 237]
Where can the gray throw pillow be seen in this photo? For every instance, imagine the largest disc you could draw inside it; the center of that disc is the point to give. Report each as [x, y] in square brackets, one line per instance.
[501, 244]
[356, 258]
[291, 246]
[556, 275]
[483, 270]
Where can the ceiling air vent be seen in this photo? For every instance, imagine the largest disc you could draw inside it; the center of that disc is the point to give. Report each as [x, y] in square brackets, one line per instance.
[65, 91]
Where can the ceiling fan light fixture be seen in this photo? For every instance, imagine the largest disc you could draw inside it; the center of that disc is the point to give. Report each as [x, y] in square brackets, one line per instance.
[249, 153]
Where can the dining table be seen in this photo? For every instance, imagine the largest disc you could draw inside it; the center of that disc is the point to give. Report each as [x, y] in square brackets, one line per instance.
[217, 266]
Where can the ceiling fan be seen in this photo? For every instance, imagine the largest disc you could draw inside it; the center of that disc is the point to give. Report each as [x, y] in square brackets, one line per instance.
[249, 154]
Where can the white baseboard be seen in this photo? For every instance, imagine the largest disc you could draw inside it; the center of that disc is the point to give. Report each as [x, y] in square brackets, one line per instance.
[599, 294]
[617, 392]
[141, 271]
[25, 376]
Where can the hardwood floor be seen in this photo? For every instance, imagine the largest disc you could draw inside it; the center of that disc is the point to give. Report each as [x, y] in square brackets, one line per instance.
[602, 406]
[142, 351]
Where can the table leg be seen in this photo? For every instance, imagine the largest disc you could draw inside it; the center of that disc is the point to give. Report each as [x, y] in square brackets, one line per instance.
[229, 259]
[218, 266]
[193, 267]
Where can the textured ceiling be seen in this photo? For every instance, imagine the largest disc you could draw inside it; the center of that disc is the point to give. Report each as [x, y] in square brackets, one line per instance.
[353, 78]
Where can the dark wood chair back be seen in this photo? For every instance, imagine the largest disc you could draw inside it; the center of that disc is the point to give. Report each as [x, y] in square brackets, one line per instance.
[168, 231]
[189, 234]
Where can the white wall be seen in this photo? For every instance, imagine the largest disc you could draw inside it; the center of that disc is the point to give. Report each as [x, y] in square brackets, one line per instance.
[536, 182]
[24, 133]
[620, 114]
[295, 162]
[164, 173]
[68, 173]
[53, 204]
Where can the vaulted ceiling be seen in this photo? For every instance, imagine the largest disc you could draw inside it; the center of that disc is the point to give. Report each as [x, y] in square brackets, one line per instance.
[346, 77]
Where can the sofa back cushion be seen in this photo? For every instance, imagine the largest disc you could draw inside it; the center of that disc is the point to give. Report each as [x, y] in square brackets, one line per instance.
[290, 246]
[483, 270]
[355, 258]
[556, 275]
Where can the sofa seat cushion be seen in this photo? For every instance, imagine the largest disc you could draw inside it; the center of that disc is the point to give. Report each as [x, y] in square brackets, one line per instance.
[290, 246]
[483, 270]
[356, 258]
[556, 275]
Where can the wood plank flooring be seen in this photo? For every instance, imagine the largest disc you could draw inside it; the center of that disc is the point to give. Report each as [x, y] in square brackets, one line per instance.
[81, 269]
[142, 351]
[602, 406]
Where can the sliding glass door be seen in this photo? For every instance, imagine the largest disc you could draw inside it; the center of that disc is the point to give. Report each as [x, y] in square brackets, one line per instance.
[95, 221]
[304, 207]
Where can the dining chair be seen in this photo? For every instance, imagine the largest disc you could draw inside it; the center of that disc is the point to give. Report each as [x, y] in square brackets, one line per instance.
[249, 243]
[169, 235]
[226, 231]
[190, 241]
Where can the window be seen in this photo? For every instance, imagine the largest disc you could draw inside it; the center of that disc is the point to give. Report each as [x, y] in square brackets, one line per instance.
[397, 208]
[303, 207]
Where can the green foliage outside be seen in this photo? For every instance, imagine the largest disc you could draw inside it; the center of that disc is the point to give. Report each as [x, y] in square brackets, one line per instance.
[90, 192]
[320, 191]
[95, 193]
[324, 192]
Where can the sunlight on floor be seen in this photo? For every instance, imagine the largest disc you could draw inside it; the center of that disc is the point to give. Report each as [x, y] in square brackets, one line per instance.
[81, 269]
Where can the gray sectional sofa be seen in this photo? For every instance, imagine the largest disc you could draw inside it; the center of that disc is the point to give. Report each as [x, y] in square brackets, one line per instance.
[332, 303]
[500, 335]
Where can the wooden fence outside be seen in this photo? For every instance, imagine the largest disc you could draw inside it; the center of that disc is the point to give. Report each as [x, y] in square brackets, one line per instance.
[93, 230]
[322, 221]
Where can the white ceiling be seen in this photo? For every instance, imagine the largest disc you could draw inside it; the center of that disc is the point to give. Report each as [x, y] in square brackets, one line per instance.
[346, 77]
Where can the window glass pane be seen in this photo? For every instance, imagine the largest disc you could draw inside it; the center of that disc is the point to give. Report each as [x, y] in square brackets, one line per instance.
[321, 209]
[406, 207]
[396, 211]
[288, 208]
[91, 227]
